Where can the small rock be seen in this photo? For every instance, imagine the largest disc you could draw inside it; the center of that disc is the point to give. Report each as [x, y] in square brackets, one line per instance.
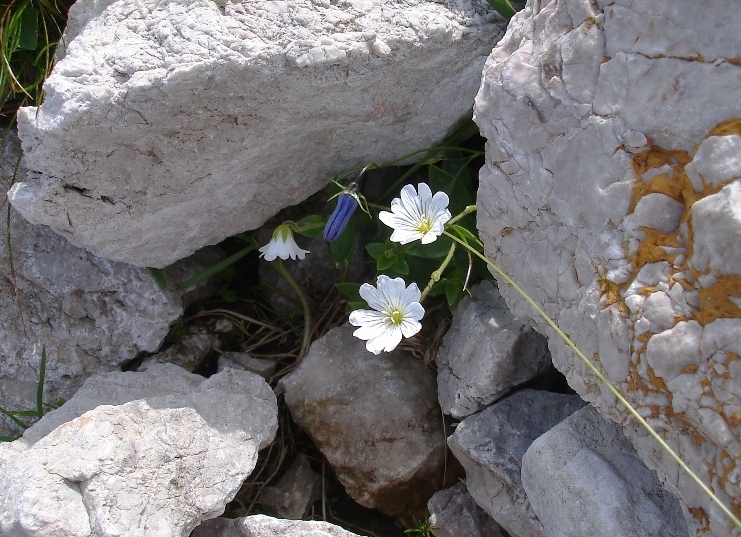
[583, 477]
[485, 353]
[375, 419]
[490, 446]
[716, 222]
[454, 513]
[240, 360]
[294, 493]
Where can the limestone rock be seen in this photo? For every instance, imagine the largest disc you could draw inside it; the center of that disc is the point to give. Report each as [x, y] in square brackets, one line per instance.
[583, 477]
[485, 353]
[237, 397]
[294, 493]
[375, 419]
[154, 466]
[156, 115]
[453, 513]
[265, 526]
[490, 446]
[88, 313]
[610, 194]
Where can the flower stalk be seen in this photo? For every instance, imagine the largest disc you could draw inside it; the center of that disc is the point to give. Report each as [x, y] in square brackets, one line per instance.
[306, 340]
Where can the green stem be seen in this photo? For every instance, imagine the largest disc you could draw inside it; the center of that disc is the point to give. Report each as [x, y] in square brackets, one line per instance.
[280, 267]
[435, 277]
[602, 378]
[465, 212]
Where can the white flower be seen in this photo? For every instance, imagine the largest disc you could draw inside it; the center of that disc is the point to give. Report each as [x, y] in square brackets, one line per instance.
[417, 216]
[396, 312]
[282, 245]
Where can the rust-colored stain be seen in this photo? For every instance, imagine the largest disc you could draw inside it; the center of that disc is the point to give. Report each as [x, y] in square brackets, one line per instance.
[715, 302]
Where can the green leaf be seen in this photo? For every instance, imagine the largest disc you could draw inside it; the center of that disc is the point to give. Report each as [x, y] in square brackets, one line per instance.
[350, 290]
[352, 306]
[342, 248]
[29, 37]
[312, 225]
[376, 249]
[503, 7]
[229, 296]
[469, 237]
[435, 250]
[453, 293]
[218, 267]
[159, 277]
[15, 420]
[400, 265]
[385, 261]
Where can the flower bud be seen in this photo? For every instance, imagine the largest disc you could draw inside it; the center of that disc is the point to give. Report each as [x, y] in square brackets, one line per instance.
[346, 205]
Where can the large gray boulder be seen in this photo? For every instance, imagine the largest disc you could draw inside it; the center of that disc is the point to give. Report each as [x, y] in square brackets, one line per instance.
[375, 419]
[155, 466]
[611, 195]
[89, 314]
[583, 477]
[170, 126]
[490, 446]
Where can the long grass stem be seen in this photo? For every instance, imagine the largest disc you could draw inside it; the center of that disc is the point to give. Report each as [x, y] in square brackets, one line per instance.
[306, 341]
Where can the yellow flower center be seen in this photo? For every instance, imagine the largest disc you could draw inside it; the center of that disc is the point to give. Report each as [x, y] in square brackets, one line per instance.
[396, 317]
[424, 225]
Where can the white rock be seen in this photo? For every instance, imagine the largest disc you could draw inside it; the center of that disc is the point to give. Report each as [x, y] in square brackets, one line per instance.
[150, 467]
[265, 526]
[89, 314]
[559, 164]
[156, 115]
[659, 311]
[485, 353]
[656, 211]
[716, 222]
[716, 162]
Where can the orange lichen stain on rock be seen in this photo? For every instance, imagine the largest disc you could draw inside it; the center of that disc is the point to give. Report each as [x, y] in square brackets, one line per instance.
[690, 369]
[651, 251]
[715, 302]
[726, 128]
[656, 381]
[610, 293]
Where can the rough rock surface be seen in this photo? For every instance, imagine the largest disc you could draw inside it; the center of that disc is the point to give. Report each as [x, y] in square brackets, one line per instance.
[611, 195]
[490, 446]
[375, 419]
[90, 314]
[454, 513]
[160, 113]
[265, 526]
[485, 353]
[154, 466]
[583, 477]
[294, 493]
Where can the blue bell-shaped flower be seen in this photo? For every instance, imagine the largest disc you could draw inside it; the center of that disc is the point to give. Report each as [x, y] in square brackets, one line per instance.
[346, 205]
